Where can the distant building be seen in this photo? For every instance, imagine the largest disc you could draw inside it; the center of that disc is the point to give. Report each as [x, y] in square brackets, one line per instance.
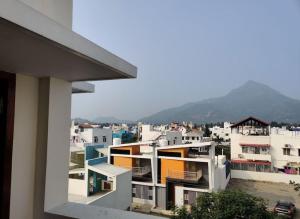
[125, 136]
[191, 135]
[221, 132]
[151, 133]
[257, 147]
[87, 133]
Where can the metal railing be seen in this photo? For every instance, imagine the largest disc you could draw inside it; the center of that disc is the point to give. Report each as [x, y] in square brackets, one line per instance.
[184, 175]
[140, 171]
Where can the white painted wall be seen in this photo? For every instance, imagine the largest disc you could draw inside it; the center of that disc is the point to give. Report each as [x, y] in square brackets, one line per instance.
[88, 134]
[31, 134]
[100, 132]
[179, 196]
[277, 142]
[268, 177]
[121, 198]
[222, 132]
[148, 133]
[220, 180]
[59, 10]
[58, 146]
[24, 147]
[77, 187]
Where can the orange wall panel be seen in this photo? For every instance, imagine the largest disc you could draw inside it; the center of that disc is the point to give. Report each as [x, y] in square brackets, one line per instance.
[169, 164]
[123, 162]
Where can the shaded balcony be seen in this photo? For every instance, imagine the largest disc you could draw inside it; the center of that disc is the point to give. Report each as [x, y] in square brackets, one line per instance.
[185, 175]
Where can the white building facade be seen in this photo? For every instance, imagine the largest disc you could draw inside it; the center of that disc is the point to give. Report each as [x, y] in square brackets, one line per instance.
[223, 132]
[90, 134]
[256, 147]
[151, 133]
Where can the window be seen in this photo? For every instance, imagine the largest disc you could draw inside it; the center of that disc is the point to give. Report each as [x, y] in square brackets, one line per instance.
[95, 139]
[263, 149]
[257, 151]
[186, 197]
[244, 150]
[104, 138]
[174, 141]
[168, 142]
[197, 138]
[193, 138]
[287, 151]
[182, 138]
[187, 138]
[299, 152]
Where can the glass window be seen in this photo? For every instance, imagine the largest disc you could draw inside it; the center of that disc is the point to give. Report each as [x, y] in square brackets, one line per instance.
[95, 139]
[287, 151]
[104, 138]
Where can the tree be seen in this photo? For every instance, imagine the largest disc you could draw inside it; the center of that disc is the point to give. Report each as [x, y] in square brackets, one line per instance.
[228, 204]
[207, 132]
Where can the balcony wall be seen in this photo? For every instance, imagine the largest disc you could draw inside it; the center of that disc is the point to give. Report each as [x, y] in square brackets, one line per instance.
[264, 157]
[250, 139]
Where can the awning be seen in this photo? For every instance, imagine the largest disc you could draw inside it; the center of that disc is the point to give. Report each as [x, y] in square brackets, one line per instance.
[254, 145]
[251, 162]
[33, 44]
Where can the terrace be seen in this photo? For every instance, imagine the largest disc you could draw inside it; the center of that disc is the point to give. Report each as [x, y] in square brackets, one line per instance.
[251, 126]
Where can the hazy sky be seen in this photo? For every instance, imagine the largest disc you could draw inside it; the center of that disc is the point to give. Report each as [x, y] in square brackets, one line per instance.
[188, 50]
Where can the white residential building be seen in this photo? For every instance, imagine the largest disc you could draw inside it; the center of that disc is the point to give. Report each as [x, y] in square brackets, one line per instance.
[150, 133]
[223, 132]
[191, 135]
[256, 147]
[86, 133]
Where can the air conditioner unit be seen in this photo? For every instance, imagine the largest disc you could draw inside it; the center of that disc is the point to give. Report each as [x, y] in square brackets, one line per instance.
[241, 156]
[287, 145]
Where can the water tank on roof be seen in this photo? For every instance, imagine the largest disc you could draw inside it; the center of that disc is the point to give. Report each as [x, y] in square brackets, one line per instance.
[117, 141]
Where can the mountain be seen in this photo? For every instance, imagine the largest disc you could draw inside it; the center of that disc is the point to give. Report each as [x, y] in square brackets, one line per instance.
[79, 120]
[252, 98]
[110, 119]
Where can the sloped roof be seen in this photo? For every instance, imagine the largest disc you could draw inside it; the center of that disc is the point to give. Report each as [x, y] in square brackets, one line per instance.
[247, 120]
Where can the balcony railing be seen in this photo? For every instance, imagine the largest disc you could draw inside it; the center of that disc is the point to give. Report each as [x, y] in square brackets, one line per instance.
[185, 175]
[141, 171]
